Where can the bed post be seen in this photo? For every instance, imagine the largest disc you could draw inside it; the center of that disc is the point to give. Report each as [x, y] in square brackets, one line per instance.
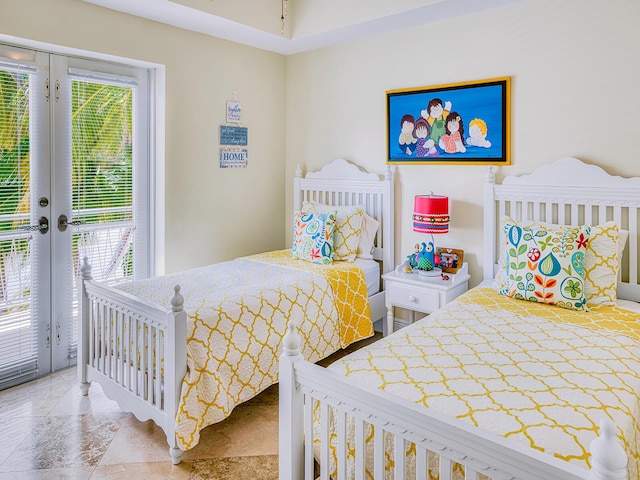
[297, 201]
[291, 411]
[489, 225]
[388, 234]
[175, 369]
[608, 458]
[83, 344]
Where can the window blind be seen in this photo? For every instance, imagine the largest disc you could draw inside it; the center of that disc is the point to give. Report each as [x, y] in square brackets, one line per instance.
[102, 177]
[18, 332]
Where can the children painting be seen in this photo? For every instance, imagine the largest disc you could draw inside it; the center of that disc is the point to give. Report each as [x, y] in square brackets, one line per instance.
[425, 146]
[453, 139]
[436, 115]
[439, 130]
[407, 141]
[478, 133]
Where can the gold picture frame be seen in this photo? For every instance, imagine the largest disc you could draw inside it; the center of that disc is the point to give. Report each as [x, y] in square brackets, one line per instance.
[466, 123]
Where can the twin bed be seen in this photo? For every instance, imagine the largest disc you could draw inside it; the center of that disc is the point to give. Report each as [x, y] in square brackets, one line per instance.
[184, 349]
[492, 385]
[488, 387]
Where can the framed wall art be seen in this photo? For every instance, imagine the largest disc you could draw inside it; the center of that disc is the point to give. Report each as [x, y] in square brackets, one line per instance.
[460, 123]
[451, 259]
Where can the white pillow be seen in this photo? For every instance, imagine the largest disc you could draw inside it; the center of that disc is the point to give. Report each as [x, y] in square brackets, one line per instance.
[367, 236]
[622, 242]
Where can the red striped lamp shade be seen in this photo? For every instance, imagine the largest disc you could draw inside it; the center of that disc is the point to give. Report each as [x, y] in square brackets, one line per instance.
[431, 214]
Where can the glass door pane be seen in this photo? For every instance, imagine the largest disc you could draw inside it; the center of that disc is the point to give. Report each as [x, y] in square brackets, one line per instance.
[102, 179]
[24, 239]
[18, 331]
[102, 182]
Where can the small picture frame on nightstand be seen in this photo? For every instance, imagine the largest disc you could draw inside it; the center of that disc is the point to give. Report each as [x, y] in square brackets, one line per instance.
[451, 259]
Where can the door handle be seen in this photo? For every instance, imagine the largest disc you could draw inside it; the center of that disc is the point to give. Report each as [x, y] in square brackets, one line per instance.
[42, 226]
[63, 222]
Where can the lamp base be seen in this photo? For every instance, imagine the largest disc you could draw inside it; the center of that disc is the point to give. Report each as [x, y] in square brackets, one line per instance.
[428, 273]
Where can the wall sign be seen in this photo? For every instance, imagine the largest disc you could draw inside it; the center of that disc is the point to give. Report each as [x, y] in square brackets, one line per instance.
[233, 135]
[234, 111]
[237, 135]
[233, 157]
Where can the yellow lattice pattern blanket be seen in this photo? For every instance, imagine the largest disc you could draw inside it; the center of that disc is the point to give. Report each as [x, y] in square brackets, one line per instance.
[350, 290]
[537, 374]
[238, 313]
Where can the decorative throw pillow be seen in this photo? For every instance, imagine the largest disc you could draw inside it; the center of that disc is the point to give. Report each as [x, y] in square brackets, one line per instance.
[347, 230]
[313, 236]
[547, 266]
[601, 260]
[601, 263]
[369, 229]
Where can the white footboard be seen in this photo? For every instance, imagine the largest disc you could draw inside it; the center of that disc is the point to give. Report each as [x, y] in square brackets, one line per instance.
[303, 385]
[135, 350]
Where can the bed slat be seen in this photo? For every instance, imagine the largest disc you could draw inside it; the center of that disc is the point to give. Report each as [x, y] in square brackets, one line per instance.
[136, 349]
[158, 368]
[325, 451]
[470, 474]
[308, 445]
[399, 457]
[378, 452]
[633, 246]
[421, 463]
[342, 445]
[446, 466]
[120, 348]
[360, 451]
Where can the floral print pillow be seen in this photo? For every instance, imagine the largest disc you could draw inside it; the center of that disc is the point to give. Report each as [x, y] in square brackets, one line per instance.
[547, 266]
[347, 230]
[313, 237]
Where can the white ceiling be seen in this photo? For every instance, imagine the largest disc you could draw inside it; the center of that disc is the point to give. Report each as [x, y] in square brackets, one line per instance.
[310, 24]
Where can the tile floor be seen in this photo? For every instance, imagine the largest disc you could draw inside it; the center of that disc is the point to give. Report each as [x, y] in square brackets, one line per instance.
[49, 430]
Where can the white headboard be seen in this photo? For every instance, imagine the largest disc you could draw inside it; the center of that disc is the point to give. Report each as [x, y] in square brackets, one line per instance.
[343, 183]
[566, 192]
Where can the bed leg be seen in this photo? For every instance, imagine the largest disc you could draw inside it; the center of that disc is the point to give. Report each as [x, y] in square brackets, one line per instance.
[176, 455]
[608, 458]
[84, 388]
[291, 411]
[83, 343]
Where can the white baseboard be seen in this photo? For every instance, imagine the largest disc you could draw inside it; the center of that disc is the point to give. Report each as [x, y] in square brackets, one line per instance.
[399, 323]
[381, 325]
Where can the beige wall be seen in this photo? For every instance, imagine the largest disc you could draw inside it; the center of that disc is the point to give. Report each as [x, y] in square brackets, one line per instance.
[575, 78]
[212, 214]
[574, 93]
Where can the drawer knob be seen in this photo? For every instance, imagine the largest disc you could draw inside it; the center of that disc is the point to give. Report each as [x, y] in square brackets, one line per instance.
[413, 299]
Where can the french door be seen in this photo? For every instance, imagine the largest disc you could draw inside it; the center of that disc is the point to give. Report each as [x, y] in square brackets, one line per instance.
[74, 183]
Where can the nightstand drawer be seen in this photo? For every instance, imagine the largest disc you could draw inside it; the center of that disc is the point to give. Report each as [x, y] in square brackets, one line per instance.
[406, 296]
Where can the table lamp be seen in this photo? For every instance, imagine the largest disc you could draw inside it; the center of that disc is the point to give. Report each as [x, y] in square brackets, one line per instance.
[430, 215]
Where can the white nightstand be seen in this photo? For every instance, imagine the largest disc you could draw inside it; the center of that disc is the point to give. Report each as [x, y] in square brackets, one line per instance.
[421, 294]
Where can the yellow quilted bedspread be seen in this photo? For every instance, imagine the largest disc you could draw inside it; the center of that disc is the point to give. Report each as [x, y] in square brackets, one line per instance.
[350, 291]
[540, 375]
[238, 313]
